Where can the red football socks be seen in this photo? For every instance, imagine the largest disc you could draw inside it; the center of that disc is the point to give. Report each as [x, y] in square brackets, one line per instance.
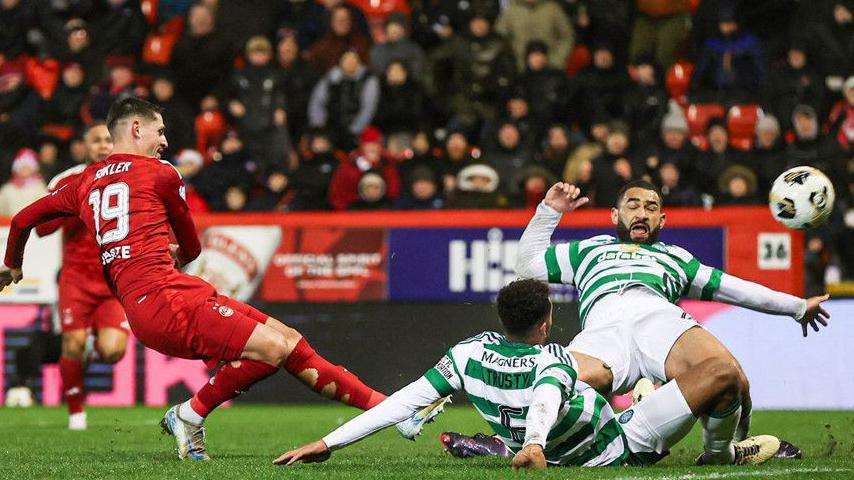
[229, 382]
[71, 372]
[331, 381]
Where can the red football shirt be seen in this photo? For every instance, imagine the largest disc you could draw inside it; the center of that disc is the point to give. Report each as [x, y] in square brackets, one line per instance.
[128, 202]
[80, 252]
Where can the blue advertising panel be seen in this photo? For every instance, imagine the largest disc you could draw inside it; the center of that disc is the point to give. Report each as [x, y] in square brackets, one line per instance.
[472, 264]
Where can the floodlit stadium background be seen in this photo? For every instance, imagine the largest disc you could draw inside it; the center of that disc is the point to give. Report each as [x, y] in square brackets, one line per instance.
[275, 127]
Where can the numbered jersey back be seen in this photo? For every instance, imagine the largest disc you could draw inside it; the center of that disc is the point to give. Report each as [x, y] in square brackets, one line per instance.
[126, 202]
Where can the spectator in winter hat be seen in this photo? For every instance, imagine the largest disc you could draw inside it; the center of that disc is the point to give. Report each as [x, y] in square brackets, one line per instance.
[423, 192]
[370, 156]
[673, 147]
[477, 188]
[737, 186]
[189, 163]
[25, 186]
[767, 159]
[372, 193]
[813, 149]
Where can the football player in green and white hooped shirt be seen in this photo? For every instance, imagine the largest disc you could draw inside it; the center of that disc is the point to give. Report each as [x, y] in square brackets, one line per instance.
[628, 287]
[528, 393]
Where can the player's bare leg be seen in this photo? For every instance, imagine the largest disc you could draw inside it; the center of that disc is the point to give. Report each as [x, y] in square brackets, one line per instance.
[111, 343]
[594, 372]
[71, 369]
[694, 347]
[271, 346]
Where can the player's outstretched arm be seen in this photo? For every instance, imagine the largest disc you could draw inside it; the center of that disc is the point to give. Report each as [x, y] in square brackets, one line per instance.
[531, 256]
[730, 289]
[564, 197]
[542, 416]
[815, 313]
[396, 408]
[60, 203]
[314, 452]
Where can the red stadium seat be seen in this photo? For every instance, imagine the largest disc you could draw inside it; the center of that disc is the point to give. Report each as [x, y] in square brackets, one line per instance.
[42, 76]
[210, 130]
[679, 80]
[158, 46]
[698, 115]
[741, 124]
[578, 59]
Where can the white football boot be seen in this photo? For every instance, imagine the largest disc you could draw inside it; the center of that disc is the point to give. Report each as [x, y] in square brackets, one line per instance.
[412, 426]
[756, 450]
[189, 438]
[77, 421]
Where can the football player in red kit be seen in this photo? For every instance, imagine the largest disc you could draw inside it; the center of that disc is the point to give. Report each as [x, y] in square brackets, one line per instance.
[129, 202]
[86, 303]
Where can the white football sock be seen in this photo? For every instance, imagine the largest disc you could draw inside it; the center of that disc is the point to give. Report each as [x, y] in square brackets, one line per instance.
[186, 412]
[743, 425]
[718, 433]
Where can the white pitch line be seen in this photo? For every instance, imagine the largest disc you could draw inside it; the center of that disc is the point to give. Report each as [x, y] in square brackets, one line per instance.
[755, 473]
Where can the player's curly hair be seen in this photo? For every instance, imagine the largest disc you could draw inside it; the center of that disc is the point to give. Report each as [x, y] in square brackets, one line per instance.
[522, 305]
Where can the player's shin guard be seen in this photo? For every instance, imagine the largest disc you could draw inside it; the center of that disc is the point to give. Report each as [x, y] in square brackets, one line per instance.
[71, 372]
[231, 380]
[718, 432]
[331, 381]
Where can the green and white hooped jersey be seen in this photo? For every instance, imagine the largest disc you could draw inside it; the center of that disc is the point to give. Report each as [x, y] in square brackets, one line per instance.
[602, 264]
[499, 376]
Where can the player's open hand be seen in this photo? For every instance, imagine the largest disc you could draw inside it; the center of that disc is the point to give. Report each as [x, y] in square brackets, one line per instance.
[530, 458]
[564, 197]
[815, 313]
[9, 276]
[311, 453]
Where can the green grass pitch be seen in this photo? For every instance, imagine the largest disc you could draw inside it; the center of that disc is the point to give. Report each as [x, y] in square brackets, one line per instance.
[126, 443]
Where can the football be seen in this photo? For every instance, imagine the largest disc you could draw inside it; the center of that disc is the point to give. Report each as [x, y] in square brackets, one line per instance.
[801, 198]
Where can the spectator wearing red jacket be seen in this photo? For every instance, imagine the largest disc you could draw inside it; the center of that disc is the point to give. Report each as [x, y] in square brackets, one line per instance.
[369, 157]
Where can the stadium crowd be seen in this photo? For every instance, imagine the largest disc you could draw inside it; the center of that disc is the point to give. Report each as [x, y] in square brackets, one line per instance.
[315, 105]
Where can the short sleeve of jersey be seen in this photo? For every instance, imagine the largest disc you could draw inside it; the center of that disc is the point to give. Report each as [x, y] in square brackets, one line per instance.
[561, 260]
[703, 281]
[555, 368]
[172, 190]
[65, 196]
[445, 376]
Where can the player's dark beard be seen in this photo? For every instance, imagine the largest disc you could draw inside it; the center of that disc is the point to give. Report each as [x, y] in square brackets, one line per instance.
[624, 233]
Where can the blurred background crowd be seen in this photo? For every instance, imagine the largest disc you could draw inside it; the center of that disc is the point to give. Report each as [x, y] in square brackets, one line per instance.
[287, 105]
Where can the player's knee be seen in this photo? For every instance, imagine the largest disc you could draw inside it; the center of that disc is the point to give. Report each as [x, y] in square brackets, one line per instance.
[111, 355]
[278, 350]
[73, 346]
[601, 379]
[725, 375]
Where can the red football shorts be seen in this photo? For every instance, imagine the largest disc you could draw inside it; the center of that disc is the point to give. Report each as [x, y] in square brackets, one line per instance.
[189, 319]
[85, 301]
